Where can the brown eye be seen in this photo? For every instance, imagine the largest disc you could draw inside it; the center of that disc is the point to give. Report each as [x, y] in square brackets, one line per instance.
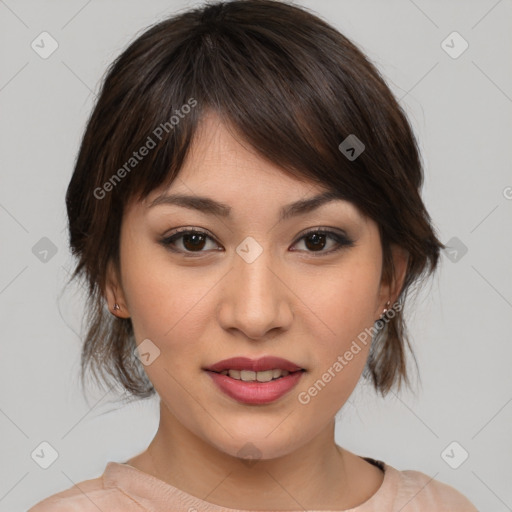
[316, 240]
[192, 241]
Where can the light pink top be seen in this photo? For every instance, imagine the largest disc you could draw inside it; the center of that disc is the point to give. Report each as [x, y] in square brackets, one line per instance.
[123, 488]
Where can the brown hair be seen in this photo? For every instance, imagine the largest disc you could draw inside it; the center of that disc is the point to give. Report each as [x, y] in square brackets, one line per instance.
[294, 88]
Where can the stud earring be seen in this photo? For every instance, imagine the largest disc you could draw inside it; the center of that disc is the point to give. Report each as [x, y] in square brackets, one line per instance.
[384, 311]
[116, 306]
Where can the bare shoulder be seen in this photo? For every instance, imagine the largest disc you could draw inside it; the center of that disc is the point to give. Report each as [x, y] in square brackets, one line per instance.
[420, 490]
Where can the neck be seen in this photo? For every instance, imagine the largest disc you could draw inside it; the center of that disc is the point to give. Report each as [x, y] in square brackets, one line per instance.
[314, 476]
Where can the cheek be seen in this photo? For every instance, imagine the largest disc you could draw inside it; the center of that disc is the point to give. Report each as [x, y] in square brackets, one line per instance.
[169, 308]
[343, 299]
[162, 297]
[168, 311]
[342, 312]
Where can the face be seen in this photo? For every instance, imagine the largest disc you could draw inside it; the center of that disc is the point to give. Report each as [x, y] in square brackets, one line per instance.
[248, 284]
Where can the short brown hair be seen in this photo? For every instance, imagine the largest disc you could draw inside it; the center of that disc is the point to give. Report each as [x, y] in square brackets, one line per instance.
[294, 88]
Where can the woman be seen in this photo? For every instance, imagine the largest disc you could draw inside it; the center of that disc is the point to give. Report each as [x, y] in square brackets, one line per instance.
[246, 202]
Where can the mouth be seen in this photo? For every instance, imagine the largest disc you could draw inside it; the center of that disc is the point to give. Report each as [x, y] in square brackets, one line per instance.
[259, 381]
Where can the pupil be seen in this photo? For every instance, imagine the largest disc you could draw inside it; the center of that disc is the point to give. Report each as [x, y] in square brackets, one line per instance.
[196, 243]
[316, 237]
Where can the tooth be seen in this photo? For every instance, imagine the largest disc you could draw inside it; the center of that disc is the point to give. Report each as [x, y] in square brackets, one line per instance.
[265, 376]
[234, 374]
[247, 375]
[250, 376]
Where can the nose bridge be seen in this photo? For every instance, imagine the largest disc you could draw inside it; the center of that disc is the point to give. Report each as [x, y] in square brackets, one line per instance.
[254, 280]
[256, 299]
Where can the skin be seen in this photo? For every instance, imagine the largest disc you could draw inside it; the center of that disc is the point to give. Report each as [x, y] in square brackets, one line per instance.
[295, 304]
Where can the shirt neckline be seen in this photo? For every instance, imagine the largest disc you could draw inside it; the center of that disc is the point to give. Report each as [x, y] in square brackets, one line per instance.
[135, 483]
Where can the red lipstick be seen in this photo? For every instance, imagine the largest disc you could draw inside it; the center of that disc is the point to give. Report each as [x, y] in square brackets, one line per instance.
[254, 392]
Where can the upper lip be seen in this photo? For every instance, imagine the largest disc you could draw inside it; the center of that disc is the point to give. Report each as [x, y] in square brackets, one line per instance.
[255, 365]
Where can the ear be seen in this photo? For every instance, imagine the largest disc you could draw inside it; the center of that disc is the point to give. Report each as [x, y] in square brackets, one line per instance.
[114, 293]
[390, 290]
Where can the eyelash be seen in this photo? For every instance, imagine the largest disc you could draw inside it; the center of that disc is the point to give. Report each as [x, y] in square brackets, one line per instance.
[342, 241]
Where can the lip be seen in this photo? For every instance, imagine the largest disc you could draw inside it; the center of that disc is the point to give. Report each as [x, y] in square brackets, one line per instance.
[255, 393]
[255, 365]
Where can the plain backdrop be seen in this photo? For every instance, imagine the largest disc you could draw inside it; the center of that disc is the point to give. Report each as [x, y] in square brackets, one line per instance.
[459, 103]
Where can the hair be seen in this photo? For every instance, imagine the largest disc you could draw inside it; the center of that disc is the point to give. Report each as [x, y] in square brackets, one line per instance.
[293, 88]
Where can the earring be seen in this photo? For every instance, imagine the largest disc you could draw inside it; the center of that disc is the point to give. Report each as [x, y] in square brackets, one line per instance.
[384, 311]
[116, 306]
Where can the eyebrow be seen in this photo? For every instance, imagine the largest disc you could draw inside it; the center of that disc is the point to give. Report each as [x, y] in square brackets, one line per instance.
[212, 207]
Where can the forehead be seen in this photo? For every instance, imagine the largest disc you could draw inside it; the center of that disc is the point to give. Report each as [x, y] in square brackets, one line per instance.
[224, 176]
[217, 145]
[221, 162]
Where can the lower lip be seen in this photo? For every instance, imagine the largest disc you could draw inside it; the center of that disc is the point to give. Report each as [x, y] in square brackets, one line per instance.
[255, 392]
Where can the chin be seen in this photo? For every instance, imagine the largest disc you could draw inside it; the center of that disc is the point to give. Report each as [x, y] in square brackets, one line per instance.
[259, 446]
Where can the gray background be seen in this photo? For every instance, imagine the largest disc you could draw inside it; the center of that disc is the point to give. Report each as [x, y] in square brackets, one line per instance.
[460, 109]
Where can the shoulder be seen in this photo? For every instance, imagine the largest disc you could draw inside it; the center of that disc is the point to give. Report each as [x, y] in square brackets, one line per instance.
[418, 492]
[87, 496]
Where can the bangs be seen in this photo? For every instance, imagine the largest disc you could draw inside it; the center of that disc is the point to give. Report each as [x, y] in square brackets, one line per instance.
[290, 96]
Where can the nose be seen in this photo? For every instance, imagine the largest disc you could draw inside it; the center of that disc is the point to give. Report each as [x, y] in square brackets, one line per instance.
[255, 298]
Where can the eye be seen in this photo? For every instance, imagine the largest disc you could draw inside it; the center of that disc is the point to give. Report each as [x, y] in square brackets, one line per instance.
[316, 240]
[194, 241]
